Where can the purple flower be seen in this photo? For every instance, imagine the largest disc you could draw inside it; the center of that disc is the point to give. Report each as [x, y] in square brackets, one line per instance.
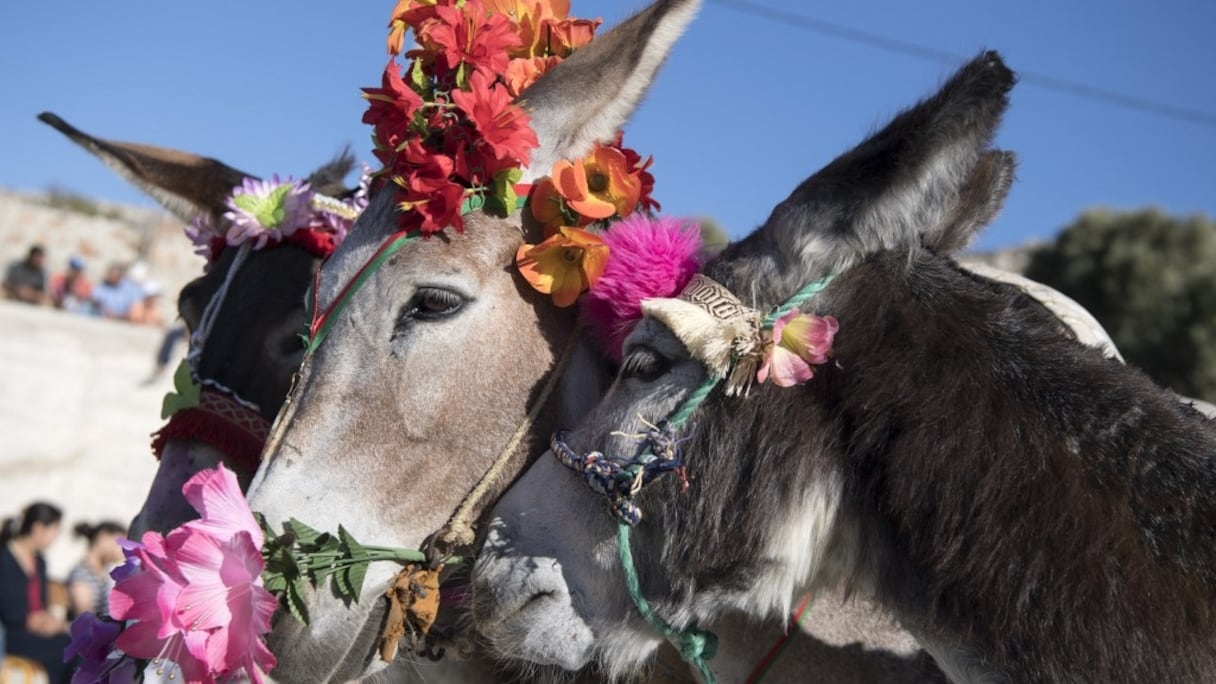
[201, 233]
[131, 566]
[265, 211]
[93, 642]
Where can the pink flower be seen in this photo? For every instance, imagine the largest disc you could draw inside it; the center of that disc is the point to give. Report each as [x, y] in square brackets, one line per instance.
[218, 498]
[148, 599]
[224, 599]
[799, 341]
[196, 598]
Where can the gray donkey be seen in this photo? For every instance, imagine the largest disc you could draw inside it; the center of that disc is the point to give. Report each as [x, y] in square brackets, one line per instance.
[1029, 509]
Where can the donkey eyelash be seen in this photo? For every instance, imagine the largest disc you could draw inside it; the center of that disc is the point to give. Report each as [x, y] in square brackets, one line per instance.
[643, 362]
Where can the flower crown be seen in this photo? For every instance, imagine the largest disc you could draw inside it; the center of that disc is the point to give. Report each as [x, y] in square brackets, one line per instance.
[271, 212]
[452, 138]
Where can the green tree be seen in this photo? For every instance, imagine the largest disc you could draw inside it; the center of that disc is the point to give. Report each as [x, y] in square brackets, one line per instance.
[1150, 279]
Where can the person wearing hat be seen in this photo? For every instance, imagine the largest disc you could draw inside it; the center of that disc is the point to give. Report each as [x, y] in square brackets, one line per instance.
[70, 290]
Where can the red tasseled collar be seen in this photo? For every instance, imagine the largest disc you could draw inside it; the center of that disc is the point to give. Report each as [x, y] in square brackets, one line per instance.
[221, 423]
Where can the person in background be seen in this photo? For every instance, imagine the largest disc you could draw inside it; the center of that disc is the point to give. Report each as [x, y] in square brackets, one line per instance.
[115, 295]
[31, 630]
[25, 280]
[89, 582]
[70, 290]
[147, 311]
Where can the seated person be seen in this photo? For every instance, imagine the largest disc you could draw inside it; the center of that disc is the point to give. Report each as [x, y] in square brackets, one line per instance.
[25, 280]
[31, 630]
[70, 290]
[115, 296]
[147, 310]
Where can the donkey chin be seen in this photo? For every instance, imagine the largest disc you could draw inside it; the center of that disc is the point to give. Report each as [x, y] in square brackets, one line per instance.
[341, 641]
[526, 612]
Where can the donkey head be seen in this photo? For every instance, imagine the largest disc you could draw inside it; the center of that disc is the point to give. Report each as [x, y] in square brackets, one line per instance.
[548, 584]
[427, 375]
[254, 345]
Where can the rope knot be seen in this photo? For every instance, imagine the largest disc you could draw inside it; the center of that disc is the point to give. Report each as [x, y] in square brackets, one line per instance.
[697, 645]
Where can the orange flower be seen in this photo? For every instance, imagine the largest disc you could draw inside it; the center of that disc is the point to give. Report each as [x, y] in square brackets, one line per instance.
[524, 71]
[565, 265]
[599, 186]
[397, 25]
[563, 37]
[547, 206]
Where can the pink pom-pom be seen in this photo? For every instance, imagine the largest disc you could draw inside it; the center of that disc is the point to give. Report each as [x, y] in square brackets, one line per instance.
[648, 258]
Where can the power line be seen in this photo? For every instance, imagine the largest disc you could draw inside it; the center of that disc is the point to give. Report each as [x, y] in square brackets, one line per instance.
[902, 47]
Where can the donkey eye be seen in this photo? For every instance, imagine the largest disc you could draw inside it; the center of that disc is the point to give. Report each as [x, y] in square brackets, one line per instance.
[643, 363]
[432, 303]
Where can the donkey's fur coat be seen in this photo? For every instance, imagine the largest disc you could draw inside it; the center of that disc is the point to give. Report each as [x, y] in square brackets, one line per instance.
[1028, 508]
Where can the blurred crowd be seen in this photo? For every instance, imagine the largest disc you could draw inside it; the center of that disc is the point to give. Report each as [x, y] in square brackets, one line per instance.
[123, 293]
[35, 610]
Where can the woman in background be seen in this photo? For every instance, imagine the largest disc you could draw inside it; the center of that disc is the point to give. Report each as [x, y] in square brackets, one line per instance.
[89, 582]
[31, 630]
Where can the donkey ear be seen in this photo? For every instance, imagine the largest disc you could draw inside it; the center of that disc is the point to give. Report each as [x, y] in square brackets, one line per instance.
[186, 184]
[591, 94]
[927, 179]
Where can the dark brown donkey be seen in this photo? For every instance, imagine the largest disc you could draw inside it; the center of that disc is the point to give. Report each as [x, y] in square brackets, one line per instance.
[254, 347]
[1030, 510]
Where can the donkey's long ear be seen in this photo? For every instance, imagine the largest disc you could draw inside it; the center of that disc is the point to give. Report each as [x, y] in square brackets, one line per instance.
[927, 179]
[590, 95]
[184, 183]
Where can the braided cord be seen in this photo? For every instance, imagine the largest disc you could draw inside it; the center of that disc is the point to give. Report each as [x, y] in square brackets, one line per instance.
[799, 298]
[696, 646]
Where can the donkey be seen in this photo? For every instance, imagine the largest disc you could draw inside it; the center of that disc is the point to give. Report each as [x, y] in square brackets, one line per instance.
[253, 348]
[1028, 509]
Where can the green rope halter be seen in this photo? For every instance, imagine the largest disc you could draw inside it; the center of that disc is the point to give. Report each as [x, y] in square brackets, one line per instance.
[697, 647]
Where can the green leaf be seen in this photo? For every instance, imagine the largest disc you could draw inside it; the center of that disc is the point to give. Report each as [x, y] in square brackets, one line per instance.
[462, 76]
[418, 77]
[293, 599]
[503, 189]
[302, 532]
[274, 582]
[354, 577]
[185, 395]
[269, 210]
[354, 550]
[472, 203]
[342, 585]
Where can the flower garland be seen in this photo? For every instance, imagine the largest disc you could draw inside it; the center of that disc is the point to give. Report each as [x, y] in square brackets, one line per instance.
[452, 138]
[277, 211]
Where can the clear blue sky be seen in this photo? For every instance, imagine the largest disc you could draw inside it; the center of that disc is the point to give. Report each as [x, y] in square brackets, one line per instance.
[746, 108]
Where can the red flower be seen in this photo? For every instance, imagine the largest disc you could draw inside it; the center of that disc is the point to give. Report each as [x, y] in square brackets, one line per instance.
[504, 126]
[468, 35]
[391, 109]
[435, 208]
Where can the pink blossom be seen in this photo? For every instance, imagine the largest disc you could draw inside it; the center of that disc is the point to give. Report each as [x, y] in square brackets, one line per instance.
[224, 597]
[799, 341]
[218, 498]
[195, 598]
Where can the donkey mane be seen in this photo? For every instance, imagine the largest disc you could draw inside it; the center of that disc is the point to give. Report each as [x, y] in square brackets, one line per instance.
[1008, 486]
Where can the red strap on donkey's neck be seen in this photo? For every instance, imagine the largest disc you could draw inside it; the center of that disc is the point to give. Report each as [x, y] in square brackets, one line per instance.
[222, 423]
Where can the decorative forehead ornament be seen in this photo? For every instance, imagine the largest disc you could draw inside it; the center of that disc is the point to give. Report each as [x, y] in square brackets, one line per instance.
[739, 344]
[717, 329]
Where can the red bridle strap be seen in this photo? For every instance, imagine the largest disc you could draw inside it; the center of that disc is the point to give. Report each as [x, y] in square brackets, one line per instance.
[322, 320]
